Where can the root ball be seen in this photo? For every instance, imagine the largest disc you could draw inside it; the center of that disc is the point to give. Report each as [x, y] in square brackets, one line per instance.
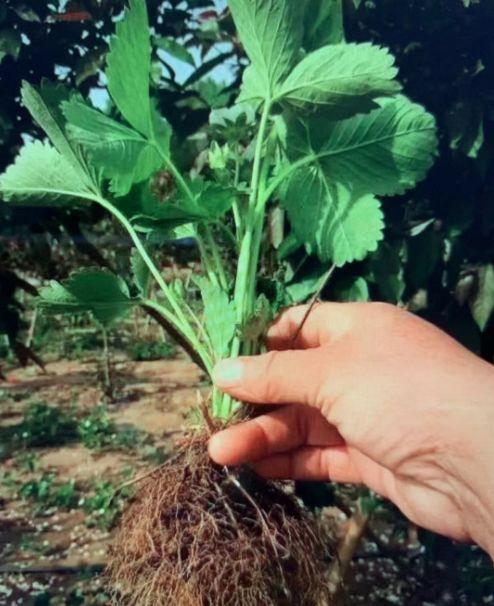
[198, 535]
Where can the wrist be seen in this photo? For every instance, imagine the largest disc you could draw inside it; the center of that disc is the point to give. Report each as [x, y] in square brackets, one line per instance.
[472, 465]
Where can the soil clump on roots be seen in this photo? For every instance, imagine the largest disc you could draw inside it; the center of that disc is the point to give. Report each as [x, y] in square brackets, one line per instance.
[200, 535]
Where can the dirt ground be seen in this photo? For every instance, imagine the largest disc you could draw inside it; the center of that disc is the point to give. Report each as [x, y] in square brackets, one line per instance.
[153, 398]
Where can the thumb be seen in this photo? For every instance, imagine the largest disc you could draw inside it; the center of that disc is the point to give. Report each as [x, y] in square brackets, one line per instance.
[278, 377]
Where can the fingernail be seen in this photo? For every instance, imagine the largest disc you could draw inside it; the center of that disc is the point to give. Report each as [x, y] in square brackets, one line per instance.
[228, 372]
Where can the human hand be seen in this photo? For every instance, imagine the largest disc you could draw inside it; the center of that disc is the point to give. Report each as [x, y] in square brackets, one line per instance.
[377, 396]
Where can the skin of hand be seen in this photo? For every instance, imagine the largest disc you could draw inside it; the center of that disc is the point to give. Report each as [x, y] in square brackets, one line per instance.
[373, 395]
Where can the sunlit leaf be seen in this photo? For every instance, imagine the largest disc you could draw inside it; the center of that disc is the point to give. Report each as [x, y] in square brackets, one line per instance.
[385, 152]
[336, 223]
[124, 155]
[41, 175]
[129, 67]
[344, 79]
[271, 32]
[44, 106]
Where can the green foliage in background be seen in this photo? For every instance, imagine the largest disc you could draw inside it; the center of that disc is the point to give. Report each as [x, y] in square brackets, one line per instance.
[44, 426]
[438, 254]
[142, 351]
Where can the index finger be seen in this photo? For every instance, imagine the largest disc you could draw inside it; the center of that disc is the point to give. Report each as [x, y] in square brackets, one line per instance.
[280, 431]
[304, 328]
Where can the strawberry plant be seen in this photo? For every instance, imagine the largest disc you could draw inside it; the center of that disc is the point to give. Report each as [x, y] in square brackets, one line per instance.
[320, 132]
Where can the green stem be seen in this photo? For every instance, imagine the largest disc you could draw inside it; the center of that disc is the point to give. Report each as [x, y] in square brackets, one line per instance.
[227, 232]
[245, 285]
[259, 219]
[179, 319]
[219, 277]
[203, 252]
[236, 208]
[144, 254]
[244, 262]
[218, 262]
[177, 175]
[200, 349]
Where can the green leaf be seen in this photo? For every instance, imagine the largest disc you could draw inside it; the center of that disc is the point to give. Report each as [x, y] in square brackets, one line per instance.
[465, 124]
[100, 293]
[129, 67]
[304, 288]
[482, 304]
[209, 203]
[288, 247]
[239, 115]
[253, 89]
[124, 155]
[385, 152]
[424, 253]
[220, 316]
[10, 43]
[44, 106]
[233, 124]
[140, 272]
[212, 93]
[40, 175]
[354, 290]
[175, 49]
[271, 32]
[387, 272]
[323, 23]
[344, 79]
[219, 156]
[212, 199]
[336, 223]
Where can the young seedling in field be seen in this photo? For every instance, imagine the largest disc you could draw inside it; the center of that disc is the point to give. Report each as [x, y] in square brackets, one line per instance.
[320, 131]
